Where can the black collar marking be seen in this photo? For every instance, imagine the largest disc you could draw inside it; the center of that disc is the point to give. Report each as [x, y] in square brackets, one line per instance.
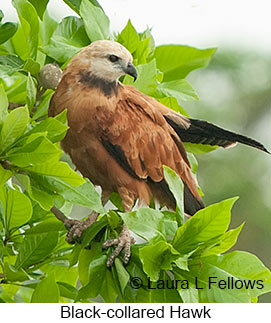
[95, 82]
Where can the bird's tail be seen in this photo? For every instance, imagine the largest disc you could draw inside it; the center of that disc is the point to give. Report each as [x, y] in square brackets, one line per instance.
[203, 132]
[191, 203]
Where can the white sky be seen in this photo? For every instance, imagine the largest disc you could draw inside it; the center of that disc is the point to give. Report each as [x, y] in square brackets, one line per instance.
[202, 23]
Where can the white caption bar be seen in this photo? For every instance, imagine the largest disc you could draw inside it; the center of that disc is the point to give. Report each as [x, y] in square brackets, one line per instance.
[82, 312]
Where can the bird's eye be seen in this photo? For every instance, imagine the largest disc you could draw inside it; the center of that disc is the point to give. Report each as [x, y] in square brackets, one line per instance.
[113, 58]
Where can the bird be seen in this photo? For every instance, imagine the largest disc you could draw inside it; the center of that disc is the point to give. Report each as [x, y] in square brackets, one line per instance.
[120, 138]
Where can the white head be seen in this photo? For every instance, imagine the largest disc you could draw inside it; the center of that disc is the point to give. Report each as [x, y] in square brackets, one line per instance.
[106, 60]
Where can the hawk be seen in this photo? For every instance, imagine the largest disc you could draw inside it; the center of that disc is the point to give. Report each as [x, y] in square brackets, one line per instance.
[120, 138]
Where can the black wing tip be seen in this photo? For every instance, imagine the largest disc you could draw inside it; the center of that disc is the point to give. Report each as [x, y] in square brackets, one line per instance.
[255, 145]
[215, 136]
[266, 150]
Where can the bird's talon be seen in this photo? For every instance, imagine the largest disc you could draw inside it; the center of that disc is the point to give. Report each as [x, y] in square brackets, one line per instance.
[124, 242]
[76, 227]
[75, 230]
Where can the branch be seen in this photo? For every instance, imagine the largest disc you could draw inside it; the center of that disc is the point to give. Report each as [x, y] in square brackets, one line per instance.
[59, 215]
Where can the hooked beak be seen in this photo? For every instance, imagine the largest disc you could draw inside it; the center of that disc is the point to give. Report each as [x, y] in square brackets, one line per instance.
[131, 70]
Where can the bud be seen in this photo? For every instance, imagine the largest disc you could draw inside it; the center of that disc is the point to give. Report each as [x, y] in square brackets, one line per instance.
[50, 76]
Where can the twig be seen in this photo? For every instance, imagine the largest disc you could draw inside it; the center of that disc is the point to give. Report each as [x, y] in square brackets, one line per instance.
[60, 215]
[13, 105]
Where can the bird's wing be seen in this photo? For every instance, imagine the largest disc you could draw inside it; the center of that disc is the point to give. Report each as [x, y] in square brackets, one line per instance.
[202, 132]
[140, 139]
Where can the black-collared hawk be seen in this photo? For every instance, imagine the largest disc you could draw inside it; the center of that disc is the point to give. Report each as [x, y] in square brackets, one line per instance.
[120, 138]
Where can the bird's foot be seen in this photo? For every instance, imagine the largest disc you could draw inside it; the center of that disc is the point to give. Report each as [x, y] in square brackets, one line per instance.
[76, 227]
[75, 230]
[124, 242]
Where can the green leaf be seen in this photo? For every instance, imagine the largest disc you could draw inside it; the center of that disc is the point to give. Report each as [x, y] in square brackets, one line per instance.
[13, 127]
[3, 50]
[84, 195]
[62, 117]
[156, 257]
[74, 256]
[147, 223]
[170, 223]
[74, 4]
[85, 258]
[134, 266]
[50, 224]
[193, 163]
[17, 207]
[45, 200]
[96, 272]
[5, 175]
[3, 104]
[66, 290]
[129, 37]
[122, 274]
[142, 52]
[68, 38]
[7, 30]
[9, 64]
[114, 219]
[47, 28]
[108, 290]
[146, 81]
[40, 6]
[35, 248]
[55, 129]
[95, 20]
[90, 233]
[151, 43]
[188, 295]
[180, 89]
[176, 187]
[42, 109]
[172, 103]
[30, 24]
[182, 262]
[205, 225]
[199, 148]
[176, 61]
[227, 269]
[20, 44]
[32, 67]
[72, 29]
[167, 295]
[214, 293]
[244, 266]
[14, 274]
[61, 170]
[37, 152]
[226, 242]
[117, 201]
[31, 92]
[17, 92]
[47, 291]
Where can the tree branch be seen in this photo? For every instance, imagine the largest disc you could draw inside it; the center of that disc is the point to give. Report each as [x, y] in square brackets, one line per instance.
[59, 215]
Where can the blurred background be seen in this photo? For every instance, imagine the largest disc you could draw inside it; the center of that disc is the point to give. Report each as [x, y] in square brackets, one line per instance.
[234, 92]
